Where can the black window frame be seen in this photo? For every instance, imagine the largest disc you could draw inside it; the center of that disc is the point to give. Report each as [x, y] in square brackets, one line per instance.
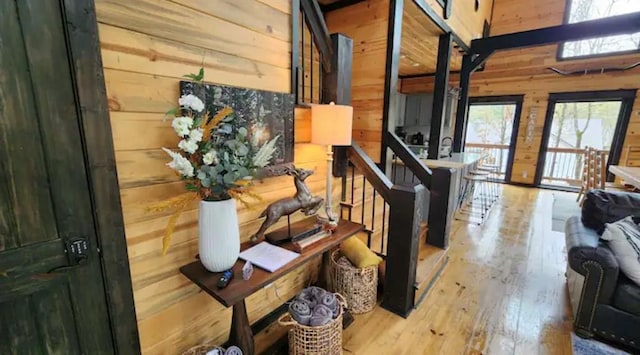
[560, 49]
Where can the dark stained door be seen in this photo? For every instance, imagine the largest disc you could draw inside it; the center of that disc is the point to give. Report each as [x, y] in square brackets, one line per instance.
[45, 308]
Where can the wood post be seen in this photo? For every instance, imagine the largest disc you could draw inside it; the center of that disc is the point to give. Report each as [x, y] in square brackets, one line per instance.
[463, 104]
[442, 205]
[405, 215]
[336, 87]
[445, 45]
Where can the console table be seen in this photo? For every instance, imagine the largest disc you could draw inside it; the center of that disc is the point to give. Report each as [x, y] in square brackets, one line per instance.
[238, 289]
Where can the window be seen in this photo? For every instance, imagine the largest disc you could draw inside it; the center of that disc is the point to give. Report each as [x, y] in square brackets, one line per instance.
[585, 10]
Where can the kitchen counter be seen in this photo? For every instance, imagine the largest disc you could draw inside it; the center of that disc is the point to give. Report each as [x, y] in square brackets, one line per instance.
[462, 163]
[457, 160]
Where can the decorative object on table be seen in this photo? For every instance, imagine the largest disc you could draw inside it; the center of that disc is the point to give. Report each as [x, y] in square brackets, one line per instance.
[225, 278]
[315, 317]
[247, 270]
[331, 125]
[303, 200]
[359, 286]
[217, 161]
[265, 115]
[294, 231]
[304, 243]
[268, 256]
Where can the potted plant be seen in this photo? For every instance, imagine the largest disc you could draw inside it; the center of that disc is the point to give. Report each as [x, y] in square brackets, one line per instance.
[217, 164]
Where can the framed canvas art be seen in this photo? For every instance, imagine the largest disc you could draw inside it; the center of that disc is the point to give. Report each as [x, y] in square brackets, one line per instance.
[264, 114]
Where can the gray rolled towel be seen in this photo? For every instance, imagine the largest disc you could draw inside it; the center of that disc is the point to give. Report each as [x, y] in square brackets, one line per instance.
[321, 315]
[307, 296]
[329, 299]
[300, 311]
[233, 350]
[317, 293]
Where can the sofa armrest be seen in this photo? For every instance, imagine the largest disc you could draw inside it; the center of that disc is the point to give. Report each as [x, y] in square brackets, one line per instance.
[593, 259]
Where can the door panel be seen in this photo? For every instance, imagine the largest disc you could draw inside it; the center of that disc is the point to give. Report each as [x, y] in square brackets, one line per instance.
[47, 194]
[33, 217]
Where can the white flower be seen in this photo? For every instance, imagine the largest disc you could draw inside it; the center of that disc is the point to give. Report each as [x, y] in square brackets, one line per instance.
[192, 102]
[188, 145]
[179, 163]
[182, 125]
[210, 158]
[195, 135]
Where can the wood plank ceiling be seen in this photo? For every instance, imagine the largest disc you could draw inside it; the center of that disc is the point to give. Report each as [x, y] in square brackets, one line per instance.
[419, 46]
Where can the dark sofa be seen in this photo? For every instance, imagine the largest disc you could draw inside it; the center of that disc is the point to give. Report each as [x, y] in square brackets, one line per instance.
[605, 302]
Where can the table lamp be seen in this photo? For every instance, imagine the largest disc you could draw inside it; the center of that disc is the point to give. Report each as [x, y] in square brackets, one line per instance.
[331, 125]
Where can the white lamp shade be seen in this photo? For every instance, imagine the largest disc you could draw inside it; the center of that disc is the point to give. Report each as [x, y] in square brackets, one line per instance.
[331, 124]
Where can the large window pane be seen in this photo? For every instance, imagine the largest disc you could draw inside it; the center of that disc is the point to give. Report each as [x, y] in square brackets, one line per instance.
[585, 10]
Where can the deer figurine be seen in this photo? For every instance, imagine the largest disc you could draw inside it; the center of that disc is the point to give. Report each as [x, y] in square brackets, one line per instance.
[302, 200]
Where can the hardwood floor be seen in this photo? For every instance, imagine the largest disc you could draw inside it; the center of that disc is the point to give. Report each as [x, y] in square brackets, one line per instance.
[503, 291]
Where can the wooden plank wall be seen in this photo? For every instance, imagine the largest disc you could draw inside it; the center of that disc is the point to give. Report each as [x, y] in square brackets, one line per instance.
[147, 45]
[464, 20]
[524, 72]
[366, 23]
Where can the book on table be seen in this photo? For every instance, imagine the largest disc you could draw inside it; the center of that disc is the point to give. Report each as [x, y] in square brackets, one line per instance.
[268, 256]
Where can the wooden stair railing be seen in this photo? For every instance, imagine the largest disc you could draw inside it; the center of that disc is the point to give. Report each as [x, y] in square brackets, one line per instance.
[439, 182]
[405, 203]
[405, 213]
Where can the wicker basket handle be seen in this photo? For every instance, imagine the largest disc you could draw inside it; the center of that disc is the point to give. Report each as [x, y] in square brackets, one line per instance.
[286, 320]
[342, 300]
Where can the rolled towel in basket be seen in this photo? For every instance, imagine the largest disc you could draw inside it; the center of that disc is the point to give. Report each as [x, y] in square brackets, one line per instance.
[300, 311]
[317, 292]
[321, 315]
[307, 296]
[329, 299]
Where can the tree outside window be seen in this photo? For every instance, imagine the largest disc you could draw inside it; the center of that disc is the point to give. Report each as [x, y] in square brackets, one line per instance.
[585, 10]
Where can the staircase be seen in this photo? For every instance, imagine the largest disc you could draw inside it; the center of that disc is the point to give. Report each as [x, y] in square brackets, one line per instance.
[393, 214]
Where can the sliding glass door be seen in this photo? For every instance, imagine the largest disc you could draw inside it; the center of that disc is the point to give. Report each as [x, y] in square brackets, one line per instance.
[578, 120]
[492, 130]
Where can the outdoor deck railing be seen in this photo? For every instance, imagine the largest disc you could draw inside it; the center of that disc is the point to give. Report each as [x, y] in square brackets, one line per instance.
[563, 166]
[497, 154]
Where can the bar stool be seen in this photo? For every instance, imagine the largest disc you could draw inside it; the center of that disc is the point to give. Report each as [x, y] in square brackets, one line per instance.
[493, 179]
[476, 202]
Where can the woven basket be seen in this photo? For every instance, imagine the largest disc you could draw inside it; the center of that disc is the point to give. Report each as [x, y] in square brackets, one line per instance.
[359, 286]
[202, 350]
[322, 340]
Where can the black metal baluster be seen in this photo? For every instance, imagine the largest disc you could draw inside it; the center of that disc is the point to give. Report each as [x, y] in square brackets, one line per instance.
[311, 71]
[353, 187]
[384, 223]
[321, 72]
[302, 24]
[364, 184]
[373, 214]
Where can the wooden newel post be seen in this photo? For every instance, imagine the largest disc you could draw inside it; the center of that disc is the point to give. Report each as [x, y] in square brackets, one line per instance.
[442, 205]
[405, 215]
[336, 87]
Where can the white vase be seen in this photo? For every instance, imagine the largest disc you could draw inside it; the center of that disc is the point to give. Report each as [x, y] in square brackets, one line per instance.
[219, 239]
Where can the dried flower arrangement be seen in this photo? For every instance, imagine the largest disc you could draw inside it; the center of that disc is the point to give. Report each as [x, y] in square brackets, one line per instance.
[215, 160]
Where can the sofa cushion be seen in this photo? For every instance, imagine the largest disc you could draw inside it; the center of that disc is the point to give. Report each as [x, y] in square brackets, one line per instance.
[627, 296]
[602, 207]
[623, 237]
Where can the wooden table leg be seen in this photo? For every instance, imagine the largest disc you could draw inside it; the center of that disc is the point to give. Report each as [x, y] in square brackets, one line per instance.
[324, 279]
[241, 334]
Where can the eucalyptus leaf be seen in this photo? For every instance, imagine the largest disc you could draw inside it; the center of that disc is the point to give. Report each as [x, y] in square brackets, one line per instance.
[242, 149]
[242, 131]
[229, 118]
[225, 129]
[206, 182]
[229, 178]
